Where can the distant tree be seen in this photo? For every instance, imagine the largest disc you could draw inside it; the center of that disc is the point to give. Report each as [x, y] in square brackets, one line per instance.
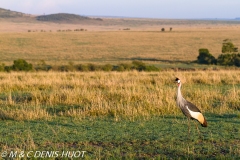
[205, 57]
[228, 47]
[170, 29]
[163, 29]
[229, 59]
[225, 59]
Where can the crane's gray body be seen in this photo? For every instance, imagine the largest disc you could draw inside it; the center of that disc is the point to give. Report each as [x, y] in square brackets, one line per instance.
[185, 105]
[189, 109]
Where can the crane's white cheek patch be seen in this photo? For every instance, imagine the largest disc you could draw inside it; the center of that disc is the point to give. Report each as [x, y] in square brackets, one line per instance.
[195, 115]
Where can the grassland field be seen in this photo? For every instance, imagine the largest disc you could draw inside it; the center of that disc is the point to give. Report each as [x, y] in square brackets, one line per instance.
[114, 45]
[118, 115]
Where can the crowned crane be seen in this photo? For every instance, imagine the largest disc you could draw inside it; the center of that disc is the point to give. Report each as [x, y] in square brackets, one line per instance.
[189, 109]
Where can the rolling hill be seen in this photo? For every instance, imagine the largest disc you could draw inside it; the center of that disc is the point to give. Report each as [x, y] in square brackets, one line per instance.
[6, 13]
[64, 17]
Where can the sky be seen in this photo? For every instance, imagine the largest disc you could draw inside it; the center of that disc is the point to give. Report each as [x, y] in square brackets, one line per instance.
[167, 9]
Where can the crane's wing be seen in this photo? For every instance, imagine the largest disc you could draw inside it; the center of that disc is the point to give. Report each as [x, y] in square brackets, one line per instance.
[192, 107]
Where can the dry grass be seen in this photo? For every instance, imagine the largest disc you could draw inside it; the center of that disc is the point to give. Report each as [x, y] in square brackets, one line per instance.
[103, 47]
[26, 96]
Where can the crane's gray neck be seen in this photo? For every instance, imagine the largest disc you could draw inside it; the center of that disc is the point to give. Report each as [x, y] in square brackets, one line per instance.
[179, 94]
[180, 99]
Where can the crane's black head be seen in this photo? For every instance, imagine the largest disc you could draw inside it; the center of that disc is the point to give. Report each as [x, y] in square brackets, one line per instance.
[177, 80]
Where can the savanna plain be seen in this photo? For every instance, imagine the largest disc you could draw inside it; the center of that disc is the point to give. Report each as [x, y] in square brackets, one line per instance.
[120, 115]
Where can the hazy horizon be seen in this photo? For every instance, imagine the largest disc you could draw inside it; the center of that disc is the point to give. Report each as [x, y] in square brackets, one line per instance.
[186, 9]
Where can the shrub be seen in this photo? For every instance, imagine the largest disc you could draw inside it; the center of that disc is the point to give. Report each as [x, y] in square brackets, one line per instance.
[82, 67]
[228, 47]
[8, 68]
[205, 57]
[225, 59]
[107, 67]
[229, 59]
[237, 60]
[2, 67]
[63, 68]
[21, 65]
[120, 68]
[126, 66]
[138, 65]
[70, 66]
[93, 67]
[42, 66]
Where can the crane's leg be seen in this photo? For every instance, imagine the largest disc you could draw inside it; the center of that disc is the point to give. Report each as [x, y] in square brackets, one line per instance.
[188, 128]
[197, 129]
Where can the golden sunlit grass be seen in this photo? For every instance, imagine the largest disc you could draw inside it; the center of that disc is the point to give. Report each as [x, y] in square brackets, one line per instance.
[29, 96]
[102, 47]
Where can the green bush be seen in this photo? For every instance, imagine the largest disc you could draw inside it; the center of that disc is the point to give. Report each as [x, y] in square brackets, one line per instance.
[21, 65]
[138, 65]
[2, 67]
[120, 68]
[42, 66]
[237, 60]
[205, 57]
[93, 67]
[82, 67]
[107, 67]
[63, 68]
[228, 47]
[8, 68]
[229, 59]
[124, 67]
